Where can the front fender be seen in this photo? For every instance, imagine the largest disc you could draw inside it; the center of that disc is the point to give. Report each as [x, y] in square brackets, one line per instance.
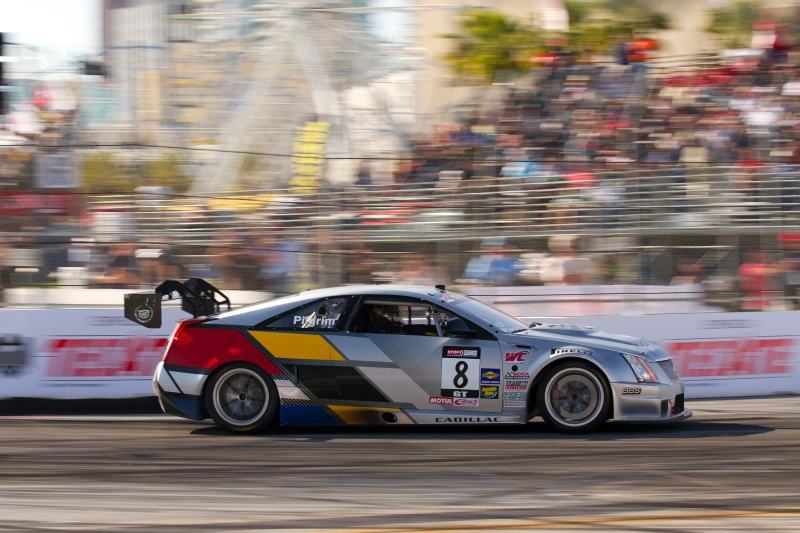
[524, 366]
[610, 362]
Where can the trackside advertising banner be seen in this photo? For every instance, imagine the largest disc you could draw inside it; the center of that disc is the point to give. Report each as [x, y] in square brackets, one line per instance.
[96, 353]
[721, 355]
[79, 353]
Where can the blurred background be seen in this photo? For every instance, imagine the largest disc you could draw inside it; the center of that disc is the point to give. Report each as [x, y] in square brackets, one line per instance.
[579, 157]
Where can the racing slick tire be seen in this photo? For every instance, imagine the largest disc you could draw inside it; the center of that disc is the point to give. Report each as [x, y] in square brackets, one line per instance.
[242, 398]
[574, 397]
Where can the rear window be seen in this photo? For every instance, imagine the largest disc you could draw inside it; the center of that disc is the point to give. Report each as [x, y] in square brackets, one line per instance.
[327, 314]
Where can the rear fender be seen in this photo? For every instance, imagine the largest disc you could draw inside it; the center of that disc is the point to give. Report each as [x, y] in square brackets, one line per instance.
[207, 347]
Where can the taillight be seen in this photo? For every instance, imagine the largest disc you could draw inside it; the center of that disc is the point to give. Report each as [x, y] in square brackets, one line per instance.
[179, 335]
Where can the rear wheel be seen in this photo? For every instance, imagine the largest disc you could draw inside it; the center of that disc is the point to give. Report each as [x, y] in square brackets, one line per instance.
[242, 398]
[574, 398]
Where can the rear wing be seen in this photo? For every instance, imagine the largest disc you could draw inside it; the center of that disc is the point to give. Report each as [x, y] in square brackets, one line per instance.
[198, 298]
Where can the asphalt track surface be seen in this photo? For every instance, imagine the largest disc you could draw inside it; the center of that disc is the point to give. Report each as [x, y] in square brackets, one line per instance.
[734, 467]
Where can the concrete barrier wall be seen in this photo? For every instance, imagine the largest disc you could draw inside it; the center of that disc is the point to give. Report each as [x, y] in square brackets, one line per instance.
[96, 353]
[720, 355]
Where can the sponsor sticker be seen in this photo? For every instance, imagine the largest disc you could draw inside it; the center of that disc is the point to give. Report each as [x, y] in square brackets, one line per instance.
[463, 353]
[489, 391]
[461, 372]
[517, 375]
[490, 376]
[515, 385]
[468, 419]
[313, 320]
[455, 402]
[515, 357]
[577, 351]
[514, 399]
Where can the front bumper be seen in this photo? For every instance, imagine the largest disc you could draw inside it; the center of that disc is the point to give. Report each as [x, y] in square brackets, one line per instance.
[649, 402]
[180, 391]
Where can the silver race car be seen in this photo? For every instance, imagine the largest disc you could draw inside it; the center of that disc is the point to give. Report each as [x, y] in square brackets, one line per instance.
[388, 354]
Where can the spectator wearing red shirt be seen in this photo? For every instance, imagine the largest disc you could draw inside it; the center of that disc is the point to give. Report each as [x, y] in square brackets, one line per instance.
[758, 281]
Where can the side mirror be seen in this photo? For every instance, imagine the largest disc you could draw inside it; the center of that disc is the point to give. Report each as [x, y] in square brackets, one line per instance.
[458, 327]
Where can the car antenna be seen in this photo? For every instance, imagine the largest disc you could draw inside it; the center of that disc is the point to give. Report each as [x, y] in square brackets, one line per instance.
[441, 287]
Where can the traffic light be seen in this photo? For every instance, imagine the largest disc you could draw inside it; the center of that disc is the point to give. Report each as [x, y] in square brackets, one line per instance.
[93, 68]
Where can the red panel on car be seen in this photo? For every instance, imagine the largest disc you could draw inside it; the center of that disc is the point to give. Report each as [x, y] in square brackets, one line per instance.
[201, 347]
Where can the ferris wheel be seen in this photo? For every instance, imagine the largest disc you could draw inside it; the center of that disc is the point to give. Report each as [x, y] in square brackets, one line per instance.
[308, 82]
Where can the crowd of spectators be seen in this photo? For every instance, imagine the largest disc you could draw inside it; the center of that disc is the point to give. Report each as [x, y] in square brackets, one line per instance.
[737, 108]
[575, 127]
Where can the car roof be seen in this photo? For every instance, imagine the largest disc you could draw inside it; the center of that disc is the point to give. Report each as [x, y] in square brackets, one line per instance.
[360, 290]
[261, 310]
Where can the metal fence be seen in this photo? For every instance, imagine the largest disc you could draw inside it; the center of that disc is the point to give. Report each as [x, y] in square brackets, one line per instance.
[667, 201]
[645, 226]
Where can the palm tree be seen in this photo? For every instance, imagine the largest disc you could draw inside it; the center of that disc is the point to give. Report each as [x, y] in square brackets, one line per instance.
[596, 26]
[734, 24]
[491, 46]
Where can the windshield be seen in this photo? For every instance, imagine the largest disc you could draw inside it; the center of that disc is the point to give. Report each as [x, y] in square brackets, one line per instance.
[503, 322]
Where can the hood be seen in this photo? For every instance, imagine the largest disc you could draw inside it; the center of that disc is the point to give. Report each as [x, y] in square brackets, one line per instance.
[587, 336]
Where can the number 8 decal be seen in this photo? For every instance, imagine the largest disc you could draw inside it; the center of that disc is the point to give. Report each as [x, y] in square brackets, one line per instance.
[460, 380]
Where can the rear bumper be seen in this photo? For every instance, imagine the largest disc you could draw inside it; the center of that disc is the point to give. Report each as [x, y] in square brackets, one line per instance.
[180, 391]
[649, 402]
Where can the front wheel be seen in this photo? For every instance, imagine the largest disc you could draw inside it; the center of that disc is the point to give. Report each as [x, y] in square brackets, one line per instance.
[574, 398]
[242, 398]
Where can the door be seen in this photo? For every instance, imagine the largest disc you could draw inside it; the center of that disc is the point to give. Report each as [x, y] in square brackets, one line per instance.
[422, 356]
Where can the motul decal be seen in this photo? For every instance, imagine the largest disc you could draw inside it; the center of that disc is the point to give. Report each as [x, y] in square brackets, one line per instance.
[456, 402]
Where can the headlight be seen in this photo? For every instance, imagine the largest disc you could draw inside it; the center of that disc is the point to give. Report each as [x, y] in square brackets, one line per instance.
[641, 368]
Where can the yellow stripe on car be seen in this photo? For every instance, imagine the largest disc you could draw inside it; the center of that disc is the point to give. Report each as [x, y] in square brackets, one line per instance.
[367, 415]
[297, 346]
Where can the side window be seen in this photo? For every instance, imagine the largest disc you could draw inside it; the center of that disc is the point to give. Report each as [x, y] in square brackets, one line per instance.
[325, 315]
[400, 317]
